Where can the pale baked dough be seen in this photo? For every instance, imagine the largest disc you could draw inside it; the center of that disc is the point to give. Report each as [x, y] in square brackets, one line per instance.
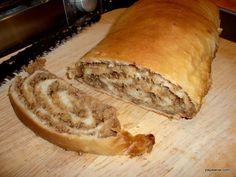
[69, 118]
[158, 55]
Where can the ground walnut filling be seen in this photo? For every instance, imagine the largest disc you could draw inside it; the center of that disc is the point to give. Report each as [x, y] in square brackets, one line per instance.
[137, 85]
[64, 108]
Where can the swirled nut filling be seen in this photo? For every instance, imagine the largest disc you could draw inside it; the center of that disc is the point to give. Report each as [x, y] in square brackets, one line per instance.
[139, 86]
[64, 108]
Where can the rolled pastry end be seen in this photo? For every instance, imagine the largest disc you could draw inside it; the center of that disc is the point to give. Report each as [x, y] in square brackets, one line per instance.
[137, 85]
[71, 119]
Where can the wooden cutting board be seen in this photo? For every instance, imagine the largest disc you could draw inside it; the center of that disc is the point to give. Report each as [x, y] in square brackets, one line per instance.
[203, 146]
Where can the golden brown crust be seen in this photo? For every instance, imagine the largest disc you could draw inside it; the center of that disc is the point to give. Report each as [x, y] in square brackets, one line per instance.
[123, 143]
[176, 39]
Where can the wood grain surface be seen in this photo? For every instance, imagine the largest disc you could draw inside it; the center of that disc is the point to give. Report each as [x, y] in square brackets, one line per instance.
[203, 146]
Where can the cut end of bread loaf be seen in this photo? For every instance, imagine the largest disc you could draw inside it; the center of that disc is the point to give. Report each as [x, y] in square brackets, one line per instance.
[158, 54]
[65, 116]
[138, 85]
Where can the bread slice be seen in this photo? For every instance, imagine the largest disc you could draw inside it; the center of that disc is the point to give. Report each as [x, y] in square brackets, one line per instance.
[67, 117]
[157, 55]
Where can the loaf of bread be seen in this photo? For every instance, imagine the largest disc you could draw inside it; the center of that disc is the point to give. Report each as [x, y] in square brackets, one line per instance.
[67, 117]
[157, 55]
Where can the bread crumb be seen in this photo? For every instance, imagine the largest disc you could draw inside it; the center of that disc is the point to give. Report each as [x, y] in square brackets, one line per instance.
[36, 65]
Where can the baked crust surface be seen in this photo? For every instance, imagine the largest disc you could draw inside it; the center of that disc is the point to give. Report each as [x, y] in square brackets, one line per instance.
[175, 39]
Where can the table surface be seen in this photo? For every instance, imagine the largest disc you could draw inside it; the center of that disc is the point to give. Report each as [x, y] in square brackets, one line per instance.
[203, 146]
